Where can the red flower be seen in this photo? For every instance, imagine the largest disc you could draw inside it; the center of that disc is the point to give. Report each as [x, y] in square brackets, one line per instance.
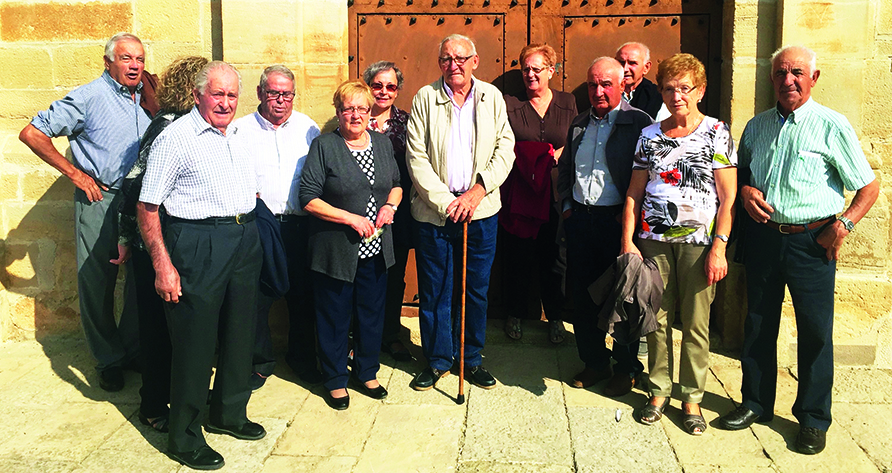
[671, 177]
[644, 225]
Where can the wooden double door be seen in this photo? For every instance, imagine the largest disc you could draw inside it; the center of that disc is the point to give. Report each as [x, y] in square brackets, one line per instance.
[408, 33]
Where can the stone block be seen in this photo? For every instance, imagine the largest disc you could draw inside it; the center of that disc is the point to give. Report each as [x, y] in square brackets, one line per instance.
[21, 262]
[303, 464]
[317, 84]
[866, 423]
[754, 24]
[280, 397]
[827, 27]
[845, 100]
[65, 266]
[77, 64]
[861, 301]
[46, 187]
[168, 20]
[83, 21]
[318, 430]
[25, 465]
[25, 68]
[9, 187]
[159, 55]
[495, 467]
[24, 104]
[325, 40]
[432, 446]
[25, 222]
[248, 38]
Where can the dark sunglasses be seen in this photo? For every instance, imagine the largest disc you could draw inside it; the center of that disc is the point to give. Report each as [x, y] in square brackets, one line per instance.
[379, 86]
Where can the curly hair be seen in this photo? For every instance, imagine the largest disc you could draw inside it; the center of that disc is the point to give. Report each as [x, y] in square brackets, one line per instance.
[352, 89]
[545, 50]
[680, 65]
[176, 84]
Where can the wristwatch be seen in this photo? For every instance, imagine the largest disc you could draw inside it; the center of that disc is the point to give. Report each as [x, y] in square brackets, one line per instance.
[850, 225]
[393, 206]
[724, 238]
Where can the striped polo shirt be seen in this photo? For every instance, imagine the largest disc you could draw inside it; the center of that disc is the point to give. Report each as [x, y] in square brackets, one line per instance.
[803, 163]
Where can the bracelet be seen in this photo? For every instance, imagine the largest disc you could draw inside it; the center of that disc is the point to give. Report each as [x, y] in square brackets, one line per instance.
[724, 238]
[393, 206]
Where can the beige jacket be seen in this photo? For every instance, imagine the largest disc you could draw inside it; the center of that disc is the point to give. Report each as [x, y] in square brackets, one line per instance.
[428, 132]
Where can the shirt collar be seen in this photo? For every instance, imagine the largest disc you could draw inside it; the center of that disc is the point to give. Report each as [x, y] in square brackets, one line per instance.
[266, 124]
[611, 115]
[449, 90]
[798, 114]
[200, 125]
[116, 86]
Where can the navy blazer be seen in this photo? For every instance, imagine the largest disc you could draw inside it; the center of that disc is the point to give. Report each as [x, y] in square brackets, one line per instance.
[274, 272]
[647, 98]
[620, 148]
[332, 174]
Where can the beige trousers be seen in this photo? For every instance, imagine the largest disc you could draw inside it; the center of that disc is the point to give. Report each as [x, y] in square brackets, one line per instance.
[684, 292]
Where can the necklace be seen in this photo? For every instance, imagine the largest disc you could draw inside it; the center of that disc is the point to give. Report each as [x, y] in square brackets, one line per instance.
[363, 141]
[682, 131]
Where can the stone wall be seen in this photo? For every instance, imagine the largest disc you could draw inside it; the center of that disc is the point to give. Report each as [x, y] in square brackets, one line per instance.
[42, 58]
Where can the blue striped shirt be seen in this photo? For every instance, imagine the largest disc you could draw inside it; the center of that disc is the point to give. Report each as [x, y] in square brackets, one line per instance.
[103, 124]
[803, 163]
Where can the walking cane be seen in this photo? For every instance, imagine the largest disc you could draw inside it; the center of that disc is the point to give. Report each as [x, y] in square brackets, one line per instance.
[464, 290]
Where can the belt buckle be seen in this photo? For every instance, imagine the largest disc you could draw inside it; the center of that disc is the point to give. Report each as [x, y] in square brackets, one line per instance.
[780, 228]
[239, 219]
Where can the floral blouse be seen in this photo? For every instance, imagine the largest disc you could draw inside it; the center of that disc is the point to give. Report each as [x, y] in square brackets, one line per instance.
[681, 201]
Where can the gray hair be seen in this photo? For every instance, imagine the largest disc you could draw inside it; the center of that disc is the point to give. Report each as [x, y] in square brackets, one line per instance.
[458, 37]
[276, 69]
[202, 79]
[638, 45]
[113, 43]
[613, 63]
[812, 57]
[382, 66]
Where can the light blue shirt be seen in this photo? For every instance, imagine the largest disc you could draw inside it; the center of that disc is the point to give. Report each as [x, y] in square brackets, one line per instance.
[104, 125]
[594, 184]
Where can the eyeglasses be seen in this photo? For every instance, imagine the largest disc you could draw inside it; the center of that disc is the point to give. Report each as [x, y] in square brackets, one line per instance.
[536, 70]
[458, 60]
[276, 95]
[378, 86]
[683, 90]
[360, 110]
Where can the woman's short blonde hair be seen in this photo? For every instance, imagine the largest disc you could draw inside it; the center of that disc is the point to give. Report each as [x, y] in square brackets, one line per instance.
[680, 65]
[545, 50]
[351, 89]
[177, 82]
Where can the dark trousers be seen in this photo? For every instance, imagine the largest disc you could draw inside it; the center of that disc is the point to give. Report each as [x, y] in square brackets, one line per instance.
[798, 262]
[593, 243]
[437, 254]
[340, 305]
[154, 339]
[530, 267]
[219, 266]
[396, 286]
[301, 354]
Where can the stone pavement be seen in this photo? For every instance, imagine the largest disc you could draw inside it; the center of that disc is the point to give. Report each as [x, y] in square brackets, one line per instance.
[55, 418]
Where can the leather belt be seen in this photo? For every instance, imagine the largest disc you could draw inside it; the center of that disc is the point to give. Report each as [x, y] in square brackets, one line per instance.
[794, 228]
[239, 219]
[597, 209]
[284, 218]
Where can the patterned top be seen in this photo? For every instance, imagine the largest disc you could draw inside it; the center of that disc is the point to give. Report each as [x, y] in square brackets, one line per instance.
[395, 128]
[681, 200]
[103, 124]
[198, 172]
[366, 160]
[801, 164]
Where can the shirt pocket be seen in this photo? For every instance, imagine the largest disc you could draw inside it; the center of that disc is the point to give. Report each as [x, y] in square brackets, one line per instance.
[806, 170]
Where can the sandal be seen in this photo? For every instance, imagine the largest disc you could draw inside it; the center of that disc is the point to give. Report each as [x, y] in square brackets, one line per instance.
[159, 423]
[651, 414]
[694, 424]
[512, 328]
[556, 331]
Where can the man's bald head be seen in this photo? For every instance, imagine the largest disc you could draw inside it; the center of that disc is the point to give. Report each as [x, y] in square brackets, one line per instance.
[605, 85]
[635, 59]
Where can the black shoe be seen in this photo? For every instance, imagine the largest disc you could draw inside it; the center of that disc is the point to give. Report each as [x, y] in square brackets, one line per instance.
[427, 378]
[741, 418]
[374, 393]
[160, 423]
[205, 458]
[257, 381]
[111, 379]
[336, 403]
[478, 376]
[247, 431]
[811, 440]
[311, 376]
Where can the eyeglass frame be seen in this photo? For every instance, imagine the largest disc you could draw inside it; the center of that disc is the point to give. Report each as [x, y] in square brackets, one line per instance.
[378, 86]
[665, 91]
[287, 96]
[458, 60]
[350, 110]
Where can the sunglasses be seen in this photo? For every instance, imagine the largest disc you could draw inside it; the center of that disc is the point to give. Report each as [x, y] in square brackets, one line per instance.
[379, 86]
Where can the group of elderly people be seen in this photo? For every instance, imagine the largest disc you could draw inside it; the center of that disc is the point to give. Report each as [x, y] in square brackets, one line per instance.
[348, 205]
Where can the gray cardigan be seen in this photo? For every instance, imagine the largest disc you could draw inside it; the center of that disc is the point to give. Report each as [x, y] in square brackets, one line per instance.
[332, 174]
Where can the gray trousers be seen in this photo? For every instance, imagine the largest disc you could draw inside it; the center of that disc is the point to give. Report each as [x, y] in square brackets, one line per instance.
[112, 343]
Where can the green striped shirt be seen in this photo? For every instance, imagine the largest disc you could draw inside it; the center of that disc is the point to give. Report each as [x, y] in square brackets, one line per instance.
[801, 164]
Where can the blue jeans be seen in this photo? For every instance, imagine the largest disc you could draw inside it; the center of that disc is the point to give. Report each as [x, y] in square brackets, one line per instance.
[437, 252]
[798, 262]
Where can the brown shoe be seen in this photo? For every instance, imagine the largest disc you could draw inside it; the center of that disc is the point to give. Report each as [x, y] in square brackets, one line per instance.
[589, 377]
[620, 384]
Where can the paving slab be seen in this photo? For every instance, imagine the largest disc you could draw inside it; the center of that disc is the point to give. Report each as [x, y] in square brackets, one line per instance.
[862, 385]
[601, 444]
[728, 469]
[570, 365]
[130, 448]
[289, 464]
[778, 438]
[868, 425]
[523, 419]
[413, 438]
[318, 430]
[30, 466]
[494, 467]
[69, 432]
[278, 398]
[243, 455]
[731, 377]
